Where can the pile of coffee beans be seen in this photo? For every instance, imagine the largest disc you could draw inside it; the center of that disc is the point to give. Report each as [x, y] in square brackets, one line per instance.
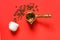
[22, 8]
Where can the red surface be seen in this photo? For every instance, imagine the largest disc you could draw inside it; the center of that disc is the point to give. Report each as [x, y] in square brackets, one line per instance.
[0, 35]
[43, 29]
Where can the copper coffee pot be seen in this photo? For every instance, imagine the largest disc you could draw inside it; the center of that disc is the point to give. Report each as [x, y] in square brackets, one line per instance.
[31, 17]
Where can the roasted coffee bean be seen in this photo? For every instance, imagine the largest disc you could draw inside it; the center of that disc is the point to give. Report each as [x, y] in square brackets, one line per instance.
[30, 6]
[15, 20]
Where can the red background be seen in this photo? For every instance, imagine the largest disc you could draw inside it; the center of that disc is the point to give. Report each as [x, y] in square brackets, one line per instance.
[43, 29]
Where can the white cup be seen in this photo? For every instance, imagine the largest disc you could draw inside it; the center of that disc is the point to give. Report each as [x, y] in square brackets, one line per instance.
[13, 26]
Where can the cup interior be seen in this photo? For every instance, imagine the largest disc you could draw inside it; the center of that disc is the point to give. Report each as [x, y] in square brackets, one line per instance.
[30, 15]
